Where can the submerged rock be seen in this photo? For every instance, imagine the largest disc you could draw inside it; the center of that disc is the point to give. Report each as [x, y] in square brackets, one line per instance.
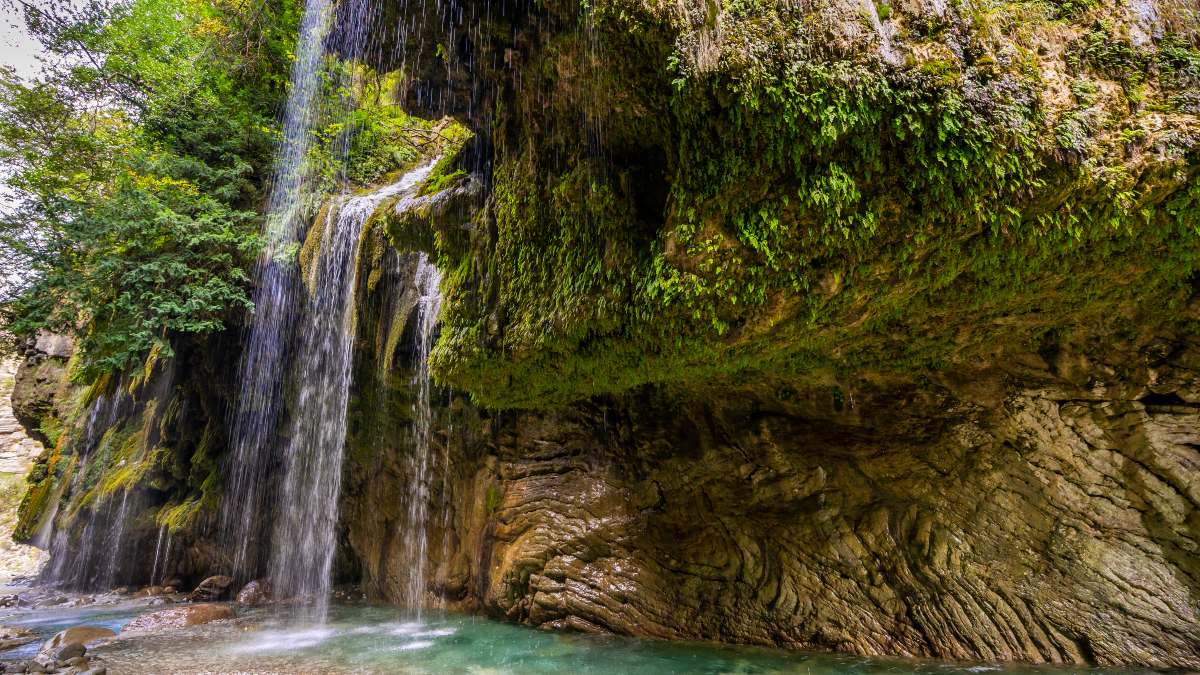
[179, 617]
[81, 635]
[213, 588]
[255, 593]
[15, 637]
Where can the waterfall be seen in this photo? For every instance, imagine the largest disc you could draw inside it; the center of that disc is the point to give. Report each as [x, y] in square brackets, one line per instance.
[305, 528]
[256, 417]
[77, 566]
[416, 533]
[161, 557]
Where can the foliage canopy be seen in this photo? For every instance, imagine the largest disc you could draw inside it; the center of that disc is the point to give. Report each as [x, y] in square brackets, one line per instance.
[138, 160]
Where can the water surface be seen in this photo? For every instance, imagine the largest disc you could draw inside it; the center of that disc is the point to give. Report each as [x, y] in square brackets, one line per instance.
[382, 640]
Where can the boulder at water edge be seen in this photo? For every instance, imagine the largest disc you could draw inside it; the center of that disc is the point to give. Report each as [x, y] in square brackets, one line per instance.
[82, 635]
[179, 617]
[255, 593]
[213, 588]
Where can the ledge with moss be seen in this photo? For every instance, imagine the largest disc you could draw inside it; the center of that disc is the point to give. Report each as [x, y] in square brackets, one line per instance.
[682, 194]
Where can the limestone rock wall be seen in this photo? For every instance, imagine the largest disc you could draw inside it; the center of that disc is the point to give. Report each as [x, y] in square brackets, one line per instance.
[962, 519]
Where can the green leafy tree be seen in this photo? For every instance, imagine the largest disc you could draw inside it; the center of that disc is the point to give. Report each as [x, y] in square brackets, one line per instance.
[138, 161]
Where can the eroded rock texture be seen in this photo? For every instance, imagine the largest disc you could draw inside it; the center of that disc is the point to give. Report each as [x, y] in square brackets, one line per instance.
[962, 519]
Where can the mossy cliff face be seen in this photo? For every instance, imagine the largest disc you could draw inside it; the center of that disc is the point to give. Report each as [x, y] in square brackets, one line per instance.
[127, 458]
[852, 325]
[677, 194]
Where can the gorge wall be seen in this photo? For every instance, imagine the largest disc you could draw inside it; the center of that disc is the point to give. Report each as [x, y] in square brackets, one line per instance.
[964, 518]
[862, 326]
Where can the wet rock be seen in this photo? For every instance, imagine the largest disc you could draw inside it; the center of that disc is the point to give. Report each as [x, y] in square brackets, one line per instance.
[179, 617]
[255, 593]
[70, 651]
[10, 600]
[15, 637]
[213, 588]
[152, 590]
[78, 663]
[935, 528]
[348, 594]
[83, 635]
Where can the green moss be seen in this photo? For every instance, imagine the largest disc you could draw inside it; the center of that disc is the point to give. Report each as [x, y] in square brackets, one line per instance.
[180, 517]
[793, 212]
[1069, 9]
[942, 72]
[1106, 51]
[493, 499]
[51, 428]
[452, 137]
[44, 483]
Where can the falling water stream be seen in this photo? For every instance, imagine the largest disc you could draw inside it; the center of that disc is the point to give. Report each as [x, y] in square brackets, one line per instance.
[303, 545]
[296, 368]
[256, 418]
[416, 532]
[157, 554]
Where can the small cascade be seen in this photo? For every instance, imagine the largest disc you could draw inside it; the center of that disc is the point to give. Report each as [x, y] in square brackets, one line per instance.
[416, 532]
[157, 554]
[94, 561]
[166, 560]
[305, 528]
[52, 574]
[45, 533]
[884, 32]
[116, 535]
